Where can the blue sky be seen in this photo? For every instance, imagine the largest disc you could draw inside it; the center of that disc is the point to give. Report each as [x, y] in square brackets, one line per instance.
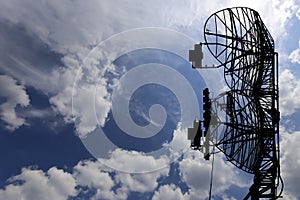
[54, 96]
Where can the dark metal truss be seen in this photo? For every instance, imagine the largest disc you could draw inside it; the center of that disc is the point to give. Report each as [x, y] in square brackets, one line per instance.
[241, 43]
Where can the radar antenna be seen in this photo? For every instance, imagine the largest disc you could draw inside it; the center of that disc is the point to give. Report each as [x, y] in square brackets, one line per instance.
[240, 42]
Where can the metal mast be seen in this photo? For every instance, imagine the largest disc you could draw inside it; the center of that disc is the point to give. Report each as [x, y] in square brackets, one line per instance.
[238, 39]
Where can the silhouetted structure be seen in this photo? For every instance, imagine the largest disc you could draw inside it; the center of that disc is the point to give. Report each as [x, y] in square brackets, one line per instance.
[238, 39]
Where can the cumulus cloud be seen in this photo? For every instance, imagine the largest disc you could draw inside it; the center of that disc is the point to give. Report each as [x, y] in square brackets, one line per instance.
[59, 184]
[298, 14]
[72, 28]
[53, 21]
[13, 95]
[295, 55]
[141, 182]
[92, 175]
[91, 23]
[169, 192]
[195, 172]
[36, 184]
[95, 174]
[290, 163]
[133, 161]
[110, 184]
[37, 113]
[146, 181]
[284, 10]
[289, 87]
[179, 144]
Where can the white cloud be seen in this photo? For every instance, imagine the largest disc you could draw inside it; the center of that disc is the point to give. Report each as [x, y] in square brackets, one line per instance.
[290, 162]
[71, 28]
[298, 14]
[91, 174]
[284, 10]
[95, 174]
[13, 94]
[289, 93]
[37, 113]
[226, 197]
[55, 184]
[85, 104]
[83, 94]
[91, 23]
[179, 143]
[141, 182]
[193, 169]
[169, 192]
[195, 172]
[295, 55]
[133, 161]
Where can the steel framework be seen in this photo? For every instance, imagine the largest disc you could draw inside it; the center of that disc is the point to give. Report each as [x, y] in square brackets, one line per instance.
[238, 39]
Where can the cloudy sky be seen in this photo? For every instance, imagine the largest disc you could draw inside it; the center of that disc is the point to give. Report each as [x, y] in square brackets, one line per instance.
[50, 76]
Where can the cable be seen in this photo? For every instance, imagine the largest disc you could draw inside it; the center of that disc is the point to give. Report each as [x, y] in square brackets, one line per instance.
[211, 174]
